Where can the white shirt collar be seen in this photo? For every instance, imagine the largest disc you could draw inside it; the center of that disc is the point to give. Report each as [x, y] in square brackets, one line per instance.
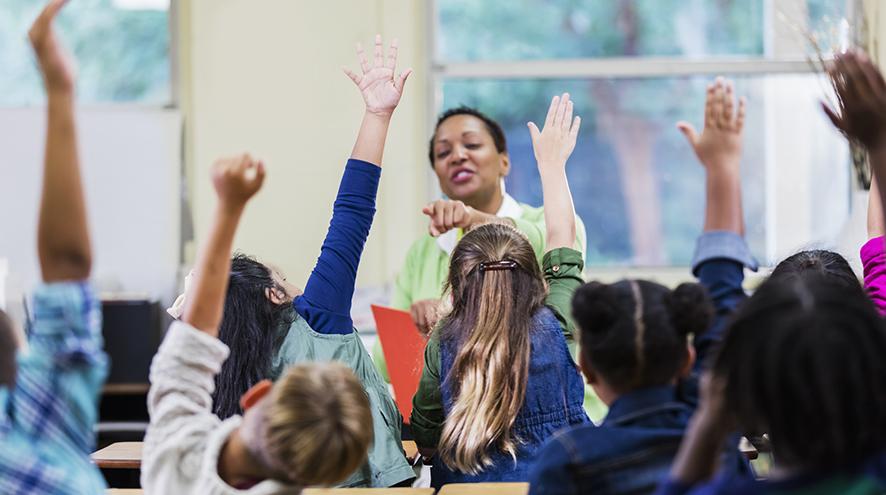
[510, 208]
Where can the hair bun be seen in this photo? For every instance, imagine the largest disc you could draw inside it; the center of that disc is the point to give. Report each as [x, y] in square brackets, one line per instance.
[594, 307]
[690, 308]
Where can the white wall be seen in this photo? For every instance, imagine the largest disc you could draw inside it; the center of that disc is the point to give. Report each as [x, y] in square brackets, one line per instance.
[130, 164]
[265, 77]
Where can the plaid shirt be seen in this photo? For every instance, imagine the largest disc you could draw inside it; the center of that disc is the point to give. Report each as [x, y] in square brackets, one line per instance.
[47, 420]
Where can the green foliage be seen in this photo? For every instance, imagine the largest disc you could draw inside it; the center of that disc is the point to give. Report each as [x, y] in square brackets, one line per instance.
[122, 55]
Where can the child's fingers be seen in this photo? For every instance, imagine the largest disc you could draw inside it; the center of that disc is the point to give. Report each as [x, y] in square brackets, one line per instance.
[689, 131]
[354, 77]
[717, 104]
[401, 81]
[428, 209]
[567, 116]
[576, 125]
[361, 58]
[533, 132]
[739, 117]
[728, 105]
[552, 111]
[561, 110]
[709, 117]
[392, 55]
[378, 52]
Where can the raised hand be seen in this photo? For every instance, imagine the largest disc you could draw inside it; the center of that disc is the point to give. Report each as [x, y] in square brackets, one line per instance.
[380, 89]
[719, 144]
[237, 179]
[55, 65]
[861, 96]
[446, 214]
[554, 144]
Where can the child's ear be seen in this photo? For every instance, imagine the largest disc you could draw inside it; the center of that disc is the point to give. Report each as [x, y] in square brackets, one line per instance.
[255, 394]
[690, 361]
[275, 295]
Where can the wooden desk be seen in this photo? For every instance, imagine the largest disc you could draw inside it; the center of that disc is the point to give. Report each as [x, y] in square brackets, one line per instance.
[120, 455]
[368, 491]
[485, 489]
[128, 455]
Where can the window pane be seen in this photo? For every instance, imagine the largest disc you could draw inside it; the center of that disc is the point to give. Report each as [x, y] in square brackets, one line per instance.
[122, 54]
[637, 185]
[543, 29]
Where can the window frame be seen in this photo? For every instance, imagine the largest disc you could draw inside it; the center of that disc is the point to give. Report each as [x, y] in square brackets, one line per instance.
[640, 67]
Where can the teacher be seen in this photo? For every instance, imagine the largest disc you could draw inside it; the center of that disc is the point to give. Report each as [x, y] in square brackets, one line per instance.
[468, 152]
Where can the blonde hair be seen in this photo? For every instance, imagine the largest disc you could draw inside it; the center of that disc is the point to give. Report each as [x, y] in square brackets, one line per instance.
[319, 423]
[492, 312]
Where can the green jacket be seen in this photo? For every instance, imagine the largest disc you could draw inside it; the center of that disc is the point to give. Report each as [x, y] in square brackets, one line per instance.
[386, 464]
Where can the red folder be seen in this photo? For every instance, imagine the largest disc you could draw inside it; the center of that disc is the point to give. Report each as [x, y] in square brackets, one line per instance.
[404, 348]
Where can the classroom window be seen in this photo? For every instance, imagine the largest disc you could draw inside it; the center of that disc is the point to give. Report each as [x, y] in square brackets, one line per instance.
[122, 49]
[634, 68]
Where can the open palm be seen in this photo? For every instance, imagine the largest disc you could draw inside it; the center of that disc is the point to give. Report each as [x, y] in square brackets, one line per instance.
[380, 89]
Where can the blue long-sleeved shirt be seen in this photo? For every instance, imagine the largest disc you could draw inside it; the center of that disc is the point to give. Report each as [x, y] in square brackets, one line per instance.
[326, 302]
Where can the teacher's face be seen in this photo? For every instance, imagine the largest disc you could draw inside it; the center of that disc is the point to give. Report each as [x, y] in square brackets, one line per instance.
[468, 165]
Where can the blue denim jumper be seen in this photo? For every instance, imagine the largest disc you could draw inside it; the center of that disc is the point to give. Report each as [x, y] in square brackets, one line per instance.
[554, 398]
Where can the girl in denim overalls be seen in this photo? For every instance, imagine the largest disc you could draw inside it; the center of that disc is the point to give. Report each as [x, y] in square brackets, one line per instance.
[498, 378]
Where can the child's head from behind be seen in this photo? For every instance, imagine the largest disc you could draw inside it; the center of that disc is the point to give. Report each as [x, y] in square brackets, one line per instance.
[496, 286]
[634, 333]
[803, 361]
[313, 427]
[827, 264]
[8, 348]
[255, 302]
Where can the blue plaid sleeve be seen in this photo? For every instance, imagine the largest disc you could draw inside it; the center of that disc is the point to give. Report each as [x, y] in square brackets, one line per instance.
[61, 373]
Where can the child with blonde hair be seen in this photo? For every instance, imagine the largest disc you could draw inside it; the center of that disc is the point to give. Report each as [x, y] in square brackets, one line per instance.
[498, 378]
[313, 427]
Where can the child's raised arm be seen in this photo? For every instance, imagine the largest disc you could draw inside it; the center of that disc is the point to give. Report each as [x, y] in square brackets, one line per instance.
[236, 180]
[719, 150]
[552, 146]
[62, 233]
[326, 302]
[721, 252]
[861, 117]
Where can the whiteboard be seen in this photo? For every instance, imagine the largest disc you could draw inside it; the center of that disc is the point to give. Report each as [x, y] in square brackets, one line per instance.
[131, 164]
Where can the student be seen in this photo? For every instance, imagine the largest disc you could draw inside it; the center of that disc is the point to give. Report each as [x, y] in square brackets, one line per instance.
[49, 398]
[803, 360]
[270, 325]
[635, 348]
[313, 427]
[498, 378]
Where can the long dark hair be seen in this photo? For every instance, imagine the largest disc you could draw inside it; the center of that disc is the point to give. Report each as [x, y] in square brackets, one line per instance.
[250, 328]
[490, 320]
[634, 332]
[803, 361]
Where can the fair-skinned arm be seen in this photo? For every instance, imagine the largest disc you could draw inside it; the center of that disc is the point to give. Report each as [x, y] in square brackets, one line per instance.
[326, 302]
[552, 146]
[718, 148]
[63, 244]
[381, 92]
[235, 180]
[875, 211]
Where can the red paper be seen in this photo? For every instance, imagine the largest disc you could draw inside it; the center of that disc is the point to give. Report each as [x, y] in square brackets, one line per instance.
[404, 349]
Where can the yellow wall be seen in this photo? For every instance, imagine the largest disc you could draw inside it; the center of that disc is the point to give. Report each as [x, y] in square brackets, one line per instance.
[265, 76]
